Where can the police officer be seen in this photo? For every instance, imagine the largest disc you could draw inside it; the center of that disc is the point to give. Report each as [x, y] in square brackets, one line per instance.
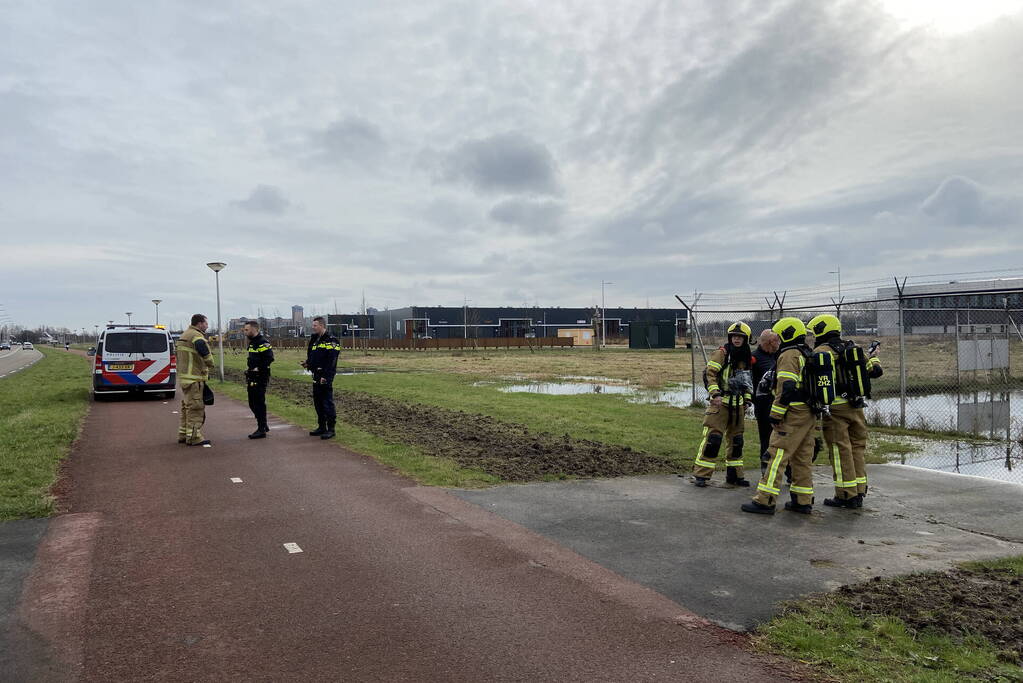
[730, 387]
[194, 364]
[321, 360]
[257, 376]
[845, 427]
[794, 426]
[765, 357]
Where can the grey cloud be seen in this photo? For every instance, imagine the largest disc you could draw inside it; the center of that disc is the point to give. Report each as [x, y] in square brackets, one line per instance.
[961, 201]
[805, 60]
[531, 217]
[265, 199]
[506, 163]
[352, 139]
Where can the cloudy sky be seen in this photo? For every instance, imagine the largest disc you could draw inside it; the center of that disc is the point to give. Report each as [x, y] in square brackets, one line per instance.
[506, 152]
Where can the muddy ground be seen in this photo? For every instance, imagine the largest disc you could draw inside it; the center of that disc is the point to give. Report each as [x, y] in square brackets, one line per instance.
[503, 449]
[957, 603]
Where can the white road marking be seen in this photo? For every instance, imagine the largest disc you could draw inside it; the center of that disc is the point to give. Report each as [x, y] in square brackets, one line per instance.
[236, 480]
[292, 547]
[174, 412]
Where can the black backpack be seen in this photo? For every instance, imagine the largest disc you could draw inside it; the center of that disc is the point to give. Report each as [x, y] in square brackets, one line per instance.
[853, 380]
[819, 379]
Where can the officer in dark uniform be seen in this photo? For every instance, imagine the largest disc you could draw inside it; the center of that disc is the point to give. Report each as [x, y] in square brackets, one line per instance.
[321, 360]
[765, 358]
[257, 376]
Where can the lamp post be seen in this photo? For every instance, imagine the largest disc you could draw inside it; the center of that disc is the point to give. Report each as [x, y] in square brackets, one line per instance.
[157, 302]
[128, 313]
[216, 267]
[839, 274]
[603, 316]
[838, 307]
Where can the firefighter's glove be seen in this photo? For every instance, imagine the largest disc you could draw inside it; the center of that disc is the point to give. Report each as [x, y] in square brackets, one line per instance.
[818, 446]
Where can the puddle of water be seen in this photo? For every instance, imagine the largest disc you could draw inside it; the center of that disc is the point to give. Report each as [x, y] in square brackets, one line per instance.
[985, 413]
[1001, 460]
[569, 388]
[588, 378]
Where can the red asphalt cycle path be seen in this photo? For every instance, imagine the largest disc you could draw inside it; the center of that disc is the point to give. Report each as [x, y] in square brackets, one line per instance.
[162, 568]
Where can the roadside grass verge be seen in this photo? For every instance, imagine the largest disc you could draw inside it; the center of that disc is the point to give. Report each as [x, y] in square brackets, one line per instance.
[660, 430]
[41, 411]
[964, 624]
[427, 470]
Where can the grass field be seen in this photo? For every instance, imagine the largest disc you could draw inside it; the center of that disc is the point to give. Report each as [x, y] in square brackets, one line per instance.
[960, 625]
[41, 410]
[451, 380]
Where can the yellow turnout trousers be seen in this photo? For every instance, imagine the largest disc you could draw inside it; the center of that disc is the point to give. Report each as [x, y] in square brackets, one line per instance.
[791, 444]
[839, 428]
[858, 439]
[721, 427]
[193, 413]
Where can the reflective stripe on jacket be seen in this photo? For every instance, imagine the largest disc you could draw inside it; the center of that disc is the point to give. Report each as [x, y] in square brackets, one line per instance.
[193, 366]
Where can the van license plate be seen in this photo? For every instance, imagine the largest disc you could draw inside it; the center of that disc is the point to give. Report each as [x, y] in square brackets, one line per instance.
[113, 367]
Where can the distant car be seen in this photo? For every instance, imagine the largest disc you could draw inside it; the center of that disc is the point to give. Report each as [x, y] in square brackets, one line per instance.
[5, 346]
[27, 345]
[134, 360]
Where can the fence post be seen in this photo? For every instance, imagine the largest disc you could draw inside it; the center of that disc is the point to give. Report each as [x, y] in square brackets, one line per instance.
[692, 355]
[959, 377]
[902, 356]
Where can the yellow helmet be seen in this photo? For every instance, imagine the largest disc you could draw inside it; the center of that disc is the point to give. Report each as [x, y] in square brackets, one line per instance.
[740, 328]
[823, 324]
[789, 330]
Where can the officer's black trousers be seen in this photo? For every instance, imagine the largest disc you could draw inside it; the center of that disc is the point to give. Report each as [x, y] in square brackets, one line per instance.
[323, 401]
[257, 401]
[762, 410]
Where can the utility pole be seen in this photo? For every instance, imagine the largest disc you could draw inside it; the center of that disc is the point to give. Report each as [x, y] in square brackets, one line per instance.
[603, 314]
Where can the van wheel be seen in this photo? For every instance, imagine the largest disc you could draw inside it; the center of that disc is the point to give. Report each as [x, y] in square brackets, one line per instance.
[98, 397]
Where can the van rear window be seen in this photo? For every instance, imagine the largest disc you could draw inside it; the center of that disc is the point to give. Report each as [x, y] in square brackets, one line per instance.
[135, 342]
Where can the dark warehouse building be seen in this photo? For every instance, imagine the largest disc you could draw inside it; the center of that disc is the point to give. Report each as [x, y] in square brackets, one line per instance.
[442, 322]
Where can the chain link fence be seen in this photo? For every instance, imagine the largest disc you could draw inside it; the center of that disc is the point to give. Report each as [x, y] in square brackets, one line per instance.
[952, 375]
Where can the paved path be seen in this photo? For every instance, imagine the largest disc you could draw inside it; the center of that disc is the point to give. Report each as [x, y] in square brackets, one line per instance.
[17, 359]
[165, 568]
[696, 547]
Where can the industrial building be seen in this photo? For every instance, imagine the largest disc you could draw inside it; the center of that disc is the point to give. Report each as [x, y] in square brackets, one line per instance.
[441, 322]
[978, 306]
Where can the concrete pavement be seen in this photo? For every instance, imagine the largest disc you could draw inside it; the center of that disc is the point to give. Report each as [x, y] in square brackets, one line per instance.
[696, 547]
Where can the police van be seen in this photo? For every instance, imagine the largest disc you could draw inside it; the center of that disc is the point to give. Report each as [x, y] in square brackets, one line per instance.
[134, 359]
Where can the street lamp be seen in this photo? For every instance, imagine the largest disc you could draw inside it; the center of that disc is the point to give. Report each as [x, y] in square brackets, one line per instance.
[216, 267]
[838, 307]
[129, 318]
[839, 274]
[157, 303]
[603, 317]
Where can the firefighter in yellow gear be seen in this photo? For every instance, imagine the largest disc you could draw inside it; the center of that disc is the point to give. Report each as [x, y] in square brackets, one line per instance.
[730, 386]
[194, 361]
[845, 427]
[795, 427]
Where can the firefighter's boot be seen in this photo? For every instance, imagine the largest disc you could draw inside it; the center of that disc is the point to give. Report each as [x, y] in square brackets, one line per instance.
[757, 508]
[794, 506]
